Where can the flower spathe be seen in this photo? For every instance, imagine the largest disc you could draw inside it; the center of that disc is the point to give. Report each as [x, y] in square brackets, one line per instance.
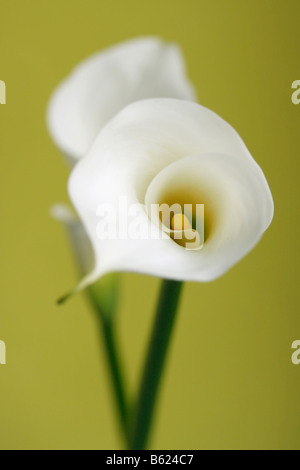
[167, 150]
[109, 80]
[79, 241]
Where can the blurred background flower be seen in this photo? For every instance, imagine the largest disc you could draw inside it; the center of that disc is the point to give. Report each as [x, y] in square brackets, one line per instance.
[106, 82]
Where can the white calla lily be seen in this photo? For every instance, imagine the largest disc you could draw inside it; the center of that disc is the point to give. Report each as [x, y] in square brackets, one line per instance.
[108, 81]
[79, 240]
[104, 292]
[171, 151]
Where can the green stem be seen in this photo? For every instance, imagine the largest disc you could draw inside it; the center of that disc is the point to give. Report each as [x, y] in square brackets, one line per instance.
[108, 330]
[155, 360]
[106, 312]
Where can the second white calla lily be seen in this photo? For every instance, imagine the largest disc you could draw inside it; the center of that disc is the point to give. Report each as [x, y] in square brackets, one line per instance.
[79, 241]
[109, 80]
[170, 151]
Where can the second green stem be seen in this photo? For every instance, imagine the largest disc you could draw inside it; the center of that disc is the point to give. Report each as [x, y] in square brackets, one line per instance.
[155, 361]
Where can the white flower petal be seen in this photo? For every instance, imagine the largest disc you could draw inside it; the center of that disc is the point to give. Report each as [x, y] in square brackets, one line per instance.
[80, 242]
[170, 149]
[108, 81]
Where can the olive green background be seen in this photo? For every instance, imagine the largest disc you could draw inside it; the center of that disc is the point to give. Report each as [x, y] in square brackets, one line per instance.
[230, 382]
